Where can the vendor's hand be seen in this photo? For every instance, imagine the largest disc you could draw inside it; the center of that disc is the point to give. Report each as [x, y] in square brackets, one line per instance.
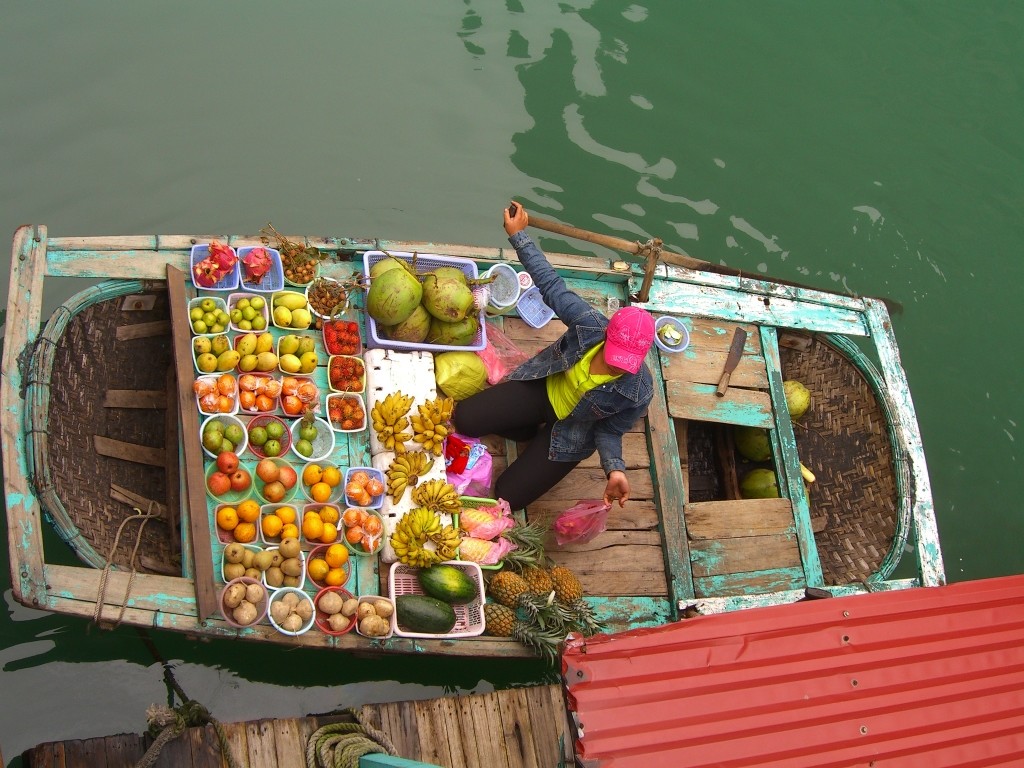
[617, 488]
[514, 222]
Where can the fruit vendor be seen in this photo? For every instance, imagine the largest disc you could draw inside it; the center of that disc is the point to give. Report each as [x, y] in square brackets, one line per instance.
[578, 395]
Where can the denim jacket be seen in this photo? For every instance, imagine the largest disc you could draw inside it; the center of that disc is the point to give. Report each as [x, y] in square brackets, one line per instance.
[605, 413]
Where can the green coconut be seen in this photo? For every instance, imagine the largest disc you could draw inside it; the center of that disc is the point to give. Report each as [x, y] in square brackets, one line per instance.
[413, 329]
[798, 398]
[384, 265]
[458, 334]
[759, 484]
[393, 296]
[753, 443]
[446, 297]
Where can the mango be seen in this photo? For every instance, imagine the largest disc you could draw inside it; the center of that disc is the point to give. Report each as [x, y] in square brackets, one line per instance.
[301, 318]
[290, 364]
[308, 362]
[289, 299]
[246, 345]
[283, 316]
[266, 361]
[227, 360]
[248, 363]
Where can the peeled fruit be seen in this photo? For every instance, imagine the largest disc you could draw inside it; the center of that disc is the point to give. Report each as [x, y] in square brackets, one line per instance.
[753, 443]
[798, 398]
[759, 484]
[393, 296]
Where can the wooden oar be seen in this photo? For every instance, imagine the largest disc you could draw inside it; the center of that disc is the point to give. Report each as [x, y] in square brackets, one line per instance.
[651, 252]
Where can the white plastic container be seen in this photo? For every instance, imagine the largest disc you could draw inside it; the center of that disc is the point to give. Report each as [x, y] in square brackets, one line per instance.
[503, 290]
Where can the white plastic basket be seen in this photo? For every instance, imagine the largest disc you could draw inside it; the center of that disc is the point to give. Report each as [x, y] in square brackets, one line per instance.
[532, 309]
[424, 262]
[469, 618]
[503, 291]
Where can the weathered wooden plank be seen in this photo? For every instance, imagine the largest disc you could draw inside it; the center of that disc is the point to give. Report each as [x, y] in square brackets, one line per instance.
[135, 398]
[706, 366]
[237, 742]
[589, 483]
[634, 452]
[171, 448]
[669, 493]
[739, 517]
[206, 752]
[738, 555]
[636, 515]
[143, 330]
[750, 583]
[681, 429]
[517, 728]
[199, 525]
[435, 746]
[787, 459]
[549, 723]
[259, 738]
[24, 532]
[708, 334]
[699, 402]
[479, 728]
[176, 753]
[118, 449]
[50, 755]
[289, 741]
[725, 448]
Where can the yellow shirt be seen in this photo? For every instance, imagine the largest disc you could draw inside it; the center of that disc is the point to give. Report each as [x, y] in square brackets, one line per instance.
[565, 390]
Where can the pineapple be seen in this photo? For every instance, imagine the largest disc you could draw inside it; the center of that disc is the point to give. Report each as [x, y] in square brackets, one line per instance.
[529, 541]
[567, 586]
[539, 580]
[499, 620]
[506, 587]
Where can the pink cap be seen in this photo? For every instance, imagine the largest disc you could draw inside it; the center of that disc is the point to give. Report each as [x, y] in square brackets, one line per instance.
[628, 338]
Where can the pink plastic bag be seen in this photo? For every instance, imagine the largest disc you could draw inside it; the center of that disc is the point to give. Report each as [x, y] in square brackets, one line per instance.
[468, 465]
[501, 356]
[582, 522]
[487, 522]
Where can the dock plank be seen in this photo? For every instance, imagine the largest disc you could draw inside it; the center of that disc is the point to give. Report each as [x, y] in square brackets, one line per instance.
[289, 741]
[259, 738]
[517, 729]
[206, 752]
[432, 734]
[238, 742]
[123, 750]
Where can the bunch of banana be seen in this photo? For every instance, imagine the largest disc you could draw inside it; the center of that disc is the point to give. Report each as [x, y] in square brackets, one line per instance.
[390, 421]
[405, 471]
[447, 542]
[430, 425]
[411, 534]
[437, 496]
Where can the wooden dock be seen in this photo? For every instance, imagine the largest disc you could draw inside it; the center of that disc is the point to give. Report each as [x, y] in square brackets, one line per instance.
[516, 728]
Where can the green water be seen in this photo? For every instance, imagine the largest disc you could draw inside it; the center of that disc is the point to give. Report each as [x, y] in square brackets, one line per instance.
[868, 147]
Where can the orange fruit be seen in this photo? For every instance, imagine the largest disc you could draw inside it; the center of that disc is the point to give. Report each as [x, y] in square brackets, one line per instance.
[360, 478]
[312, 527]
[335, 577]
[227, 518]
[332, 476]
[370, 543]
[226, 384]
[225, 404]
[336, 556]
[312, 474]
[363, 499]
[329, 535]
[290, 531]
[247, 400]
[272, 526]
[249, 511]
[354, 534]
[245, 532]
[286, 513]
[372, 525]
[374, 487]
[353, 517]
[318, 569]
[329, 514]
[264, 403]
[320, 492]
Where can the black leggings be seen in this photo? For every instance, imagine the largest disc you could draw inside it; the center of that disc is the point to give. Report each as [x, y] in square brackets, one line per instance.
[517, 410]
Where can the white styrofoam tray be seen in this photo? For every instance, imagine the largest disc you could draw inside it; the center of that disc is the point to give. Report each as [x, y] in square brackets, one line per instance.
[391, 512]
[388, 371]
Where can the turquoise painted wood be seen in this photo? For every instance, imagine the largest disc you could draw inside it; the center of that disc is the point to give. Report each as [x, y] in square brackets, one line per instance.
[381, 760]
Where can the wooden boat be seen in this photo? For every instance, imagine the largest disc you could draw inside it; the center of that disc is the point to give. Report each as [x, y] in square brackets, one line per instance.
[101, 439]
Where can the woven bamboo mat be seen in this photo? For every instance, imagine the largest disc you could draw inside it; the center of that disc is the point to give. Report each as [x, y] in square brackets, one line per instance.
[88, 360]
[843, 439]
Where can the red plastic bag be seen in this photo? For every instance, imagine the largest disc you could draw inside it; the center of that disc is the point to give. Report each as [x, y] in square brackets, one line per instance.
[582, 522]
[501, 356]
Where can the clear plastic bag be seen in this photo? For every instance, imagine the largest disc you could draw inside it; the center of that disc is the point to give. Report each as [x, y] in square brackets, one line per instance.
[501, 356]
[581, 522]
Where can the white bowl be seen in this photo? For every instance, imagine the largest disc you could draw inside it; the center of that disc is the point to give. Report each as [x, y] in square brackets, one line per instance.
[302, 596]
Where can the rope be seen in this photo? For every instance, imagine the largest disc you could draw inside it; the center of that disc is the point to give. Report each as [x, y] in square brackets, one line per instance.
[340, 745]
[173, 722]
[102, 593]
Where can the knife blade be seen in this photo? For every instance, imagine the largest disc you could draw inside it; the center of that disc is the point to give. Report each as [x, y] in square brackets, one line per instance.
[739, 338]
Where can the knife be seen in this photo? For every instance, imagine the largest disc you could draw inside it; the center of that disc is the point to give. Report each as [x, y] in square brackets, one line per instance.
[739, 338]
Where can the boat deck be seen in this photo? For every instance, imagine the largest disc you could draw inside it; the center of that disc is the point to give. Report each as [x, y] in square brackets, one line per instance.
[515, 728]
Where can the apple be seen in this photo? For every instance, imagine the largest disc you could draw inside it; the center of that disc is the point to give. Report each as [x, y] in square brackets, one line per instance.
[274, 491]
[267, 470]
[218, 483]
[240, 479]
[288, 477]
[227, 462]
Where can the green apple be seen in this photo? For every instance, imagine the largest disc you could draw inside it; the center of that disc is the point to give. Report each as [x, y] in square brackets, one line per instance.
[234, 433]
[236, 315]
[249, 313]
[242, 304]
[258, 436]
[257, 303]
[223, 318]
[217, 328]
[196, 314]
[259, 323]
[209, 318]
[208, 304]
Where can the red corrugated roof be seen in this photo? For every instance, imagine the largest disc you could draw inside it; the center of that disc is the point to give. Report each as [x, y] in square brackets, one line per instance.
[921, 677]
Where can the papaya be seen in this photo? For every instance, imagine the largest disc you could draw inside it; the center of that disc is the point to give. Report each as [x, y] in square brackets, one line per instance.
[448, 583]
[424, 614]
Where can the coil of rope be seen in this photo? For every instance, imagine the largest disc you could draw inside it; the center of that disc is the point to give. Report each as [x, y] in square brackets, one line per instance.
[340, 745]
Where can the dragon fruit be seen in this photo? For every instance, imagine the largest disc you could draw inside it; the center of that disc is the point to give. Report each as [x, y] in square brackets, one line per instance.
[484, 552]
[224, 256]
[214, 267]
[257, 264]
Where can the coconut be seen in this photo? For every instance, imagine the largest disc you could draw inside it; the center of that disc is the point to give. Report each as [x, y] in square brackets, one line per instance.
[446, 297]
[384, 265]
[753, 443]
[393, 296]
[450, 273]
[413, 329]
[759, 484]
[459, 334]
